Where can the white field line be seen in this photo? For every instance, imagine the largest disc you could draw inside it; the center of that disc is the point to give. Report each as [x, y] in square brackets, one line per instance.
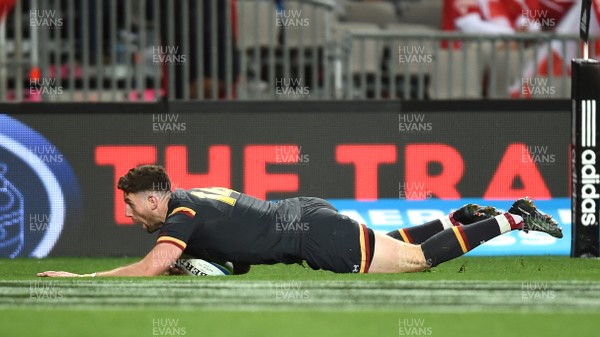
[527, 296]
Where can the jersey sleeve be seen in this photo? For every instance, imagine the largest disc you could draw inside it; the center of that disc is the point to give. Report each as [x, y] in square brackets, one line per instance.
[178, 227]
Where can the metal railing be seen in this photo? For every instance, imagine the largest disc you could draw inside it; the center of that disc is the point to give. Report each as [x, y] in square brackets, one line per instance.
[150, 50]
[441, 65]
[286, 51]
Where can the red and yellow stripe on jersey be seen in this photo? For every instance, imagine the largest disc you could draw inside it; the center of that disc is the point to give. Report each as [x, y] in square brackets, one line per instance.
[365, 249]
[183, 210]
[169, 239]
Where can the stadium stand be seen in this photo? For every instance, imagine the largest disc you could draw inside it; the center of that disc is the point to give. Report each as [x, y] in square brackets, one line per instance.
[361, 57]
[99, 51]
[422, 12]
[379, 12]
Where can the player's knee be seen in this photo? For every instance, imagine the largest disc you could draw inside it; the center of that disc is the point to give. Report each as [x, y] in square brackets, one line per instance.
[413, 259]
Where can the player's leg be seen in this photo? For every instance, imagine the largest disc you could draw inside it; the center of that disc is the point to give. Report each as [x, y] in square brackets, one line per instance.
[455, 242]
[458, 240]
[467, 214]
[393, 256]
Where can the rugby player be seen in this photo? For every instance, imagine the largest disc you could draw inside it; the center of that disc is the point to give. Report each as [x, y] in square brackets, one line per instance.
[222, 224]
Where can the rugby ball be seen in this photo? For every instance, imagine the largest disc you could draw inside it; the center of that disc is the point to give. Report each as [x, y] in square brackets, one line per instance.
[199, 267]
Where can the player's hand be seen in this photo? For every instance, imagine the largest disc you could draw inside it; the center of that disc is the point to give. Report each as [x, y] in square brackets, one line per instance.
[57, 274]
[174, 271]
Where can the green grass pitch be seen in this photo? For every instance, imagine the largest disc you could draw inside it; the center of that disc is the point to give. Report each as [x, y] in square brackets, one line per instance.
[469, 296]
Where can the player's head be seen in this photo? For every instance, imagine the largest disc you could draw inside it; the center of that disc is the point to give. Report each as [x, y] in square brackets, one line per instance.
[145, 178]
[145, 190]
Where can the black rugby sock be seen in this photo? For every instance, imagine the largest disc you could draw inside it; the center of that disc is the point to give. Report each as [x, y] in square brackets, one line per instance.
[458, 240]
[418, 234]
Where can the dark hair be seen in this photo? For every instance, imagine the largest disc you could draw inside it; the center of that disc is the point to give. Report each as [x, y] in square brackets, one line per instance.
[145, 178]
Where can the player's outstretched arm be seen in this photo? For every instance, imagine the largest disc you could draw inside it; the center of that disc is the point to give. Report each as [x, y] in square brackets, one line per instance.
[155, 263]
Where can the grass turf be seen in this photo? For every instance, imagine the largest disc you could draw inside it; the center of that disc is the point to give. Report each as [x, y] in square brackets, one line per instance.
[469, 296]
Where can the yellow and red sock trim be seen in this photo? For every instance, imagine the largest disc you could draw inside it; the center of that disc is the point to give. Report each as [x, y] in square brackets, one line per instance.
[462, 238]
[405, 236]
[454, 221]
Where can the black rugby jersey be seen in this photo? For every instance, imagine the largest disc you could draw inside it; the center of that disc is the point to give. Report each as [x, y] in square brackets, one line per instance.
[219, 223]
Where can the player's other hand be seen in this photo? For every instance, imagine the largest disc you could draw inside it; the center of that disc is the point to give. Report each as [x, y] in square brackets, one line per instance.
[57, 274]
[240, 268]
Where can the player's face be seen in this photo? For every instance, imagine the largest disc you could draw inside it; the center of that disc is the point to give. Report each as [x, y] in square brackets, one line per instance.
[139, 208]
